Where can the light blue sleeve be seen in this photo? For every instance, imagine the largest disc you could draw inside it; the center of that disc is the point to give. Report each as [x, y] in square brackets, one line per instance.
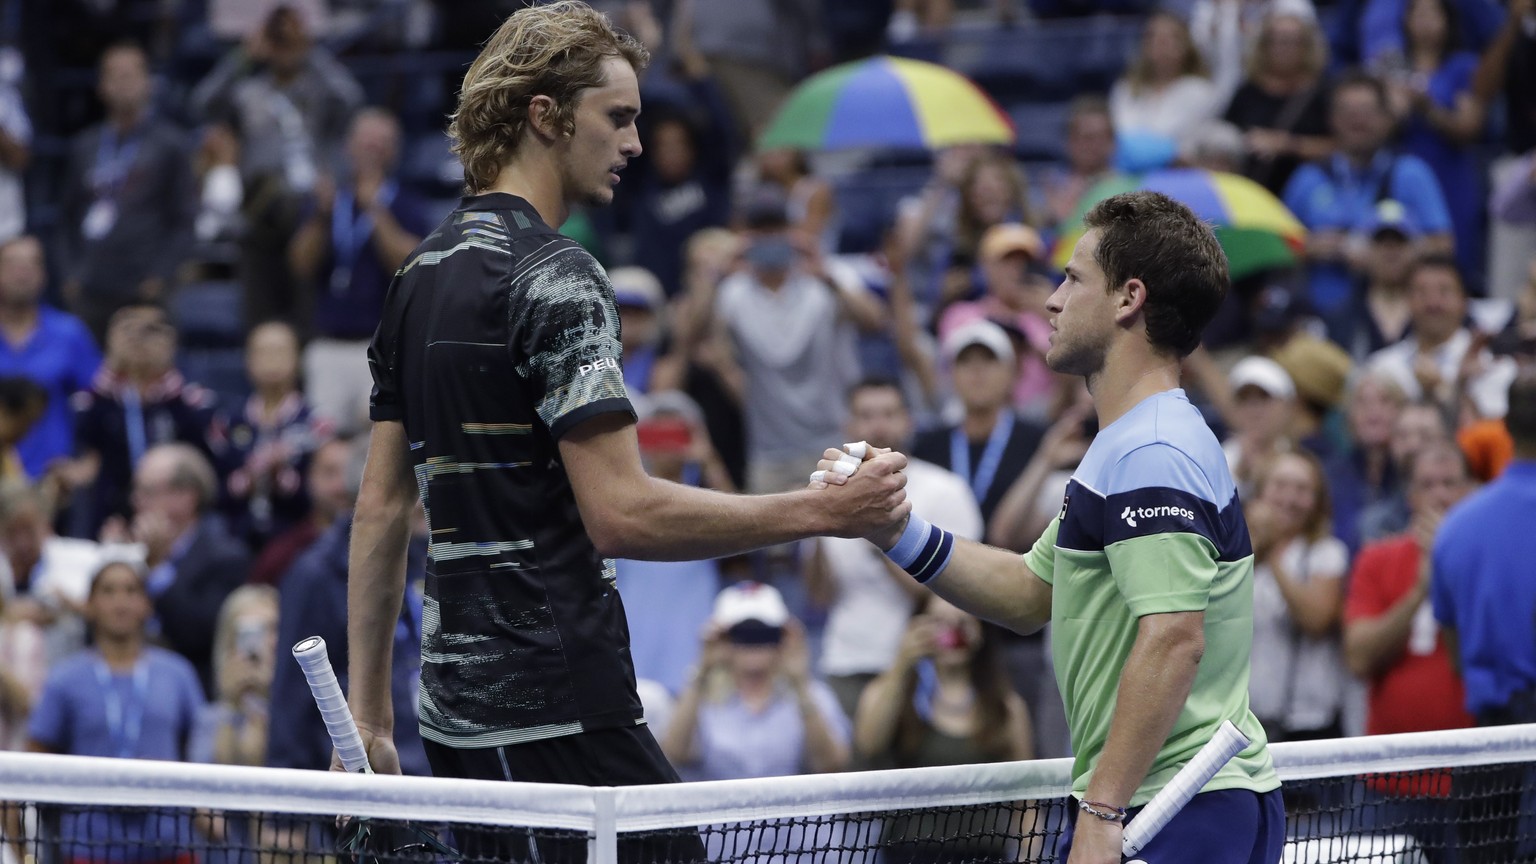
[1414, 184]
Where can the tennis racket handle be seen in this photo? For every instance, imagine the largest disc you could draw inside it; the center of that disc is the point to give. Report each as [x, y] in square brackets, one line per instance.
[316, 664]
[1226, 743]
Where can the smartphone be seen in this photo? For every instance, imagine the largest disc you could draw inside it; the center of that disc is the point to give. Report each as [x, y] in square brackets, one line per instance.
[951, 637]
[664, 435]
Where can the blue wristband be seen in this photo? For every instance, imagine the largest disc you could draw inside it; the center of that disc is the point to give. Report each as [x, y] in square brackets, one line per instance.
[923, 551]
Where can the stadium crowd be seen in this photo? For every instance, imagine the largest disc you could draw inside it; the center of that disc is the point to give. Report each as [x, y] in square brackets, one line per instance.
[202, 205]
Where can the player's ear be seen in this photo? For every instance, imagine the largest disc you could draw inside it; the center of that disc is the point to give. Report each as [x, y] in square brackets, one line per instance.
[1131, 299]
[541, 116]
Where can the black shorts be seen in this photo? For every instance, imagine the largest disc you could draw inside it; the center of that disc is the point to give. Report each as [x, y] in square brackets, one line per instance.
[620, 756]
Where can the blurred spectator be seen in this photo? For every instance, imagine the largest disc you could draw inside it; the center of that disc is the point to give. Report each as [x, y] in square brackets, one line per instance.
[1390, 636]
[124, 699]
[1264, 409]
[1167, 89]
[1388, 258]
[289, 102]
[358, 233]
[1443, 120]
[1090, 140]
[22, 403]
[753, 708]
[812, 209]
[1227, 31]
[940, 231]
[1282, 105]
[1441, 359]
[663, 600]
[642, 326]
[791, 316]
[137, 401]
[1365, 473]
[50, 347]
[325, 488]
[1012, 260]
[991, 444]
[1297, 686]
[711, 375]
[232, 729]
[128, 199]
[264, 450]
[755, 49]
[1384, 44]
[1483, 595]
[926, 223]
[1518, 338]
[314, 603]
[15, 148]
[1418, 425]
[683, 187]
[1320, 370]
[221, 191]
[1515, 199]
[193, 562]
[868, 602]
[1503, 79]
[945, 701]
[1336, 198]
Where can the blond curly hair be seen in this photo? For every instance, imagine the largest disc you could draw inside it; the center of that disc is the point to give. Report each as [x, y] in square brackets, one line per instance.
[556, 50]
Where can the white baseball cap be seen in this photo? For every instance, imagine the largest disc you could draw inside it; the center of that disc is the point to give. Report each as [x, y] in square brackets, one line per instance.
[750, 601]
[1265, 374]
[983, 333]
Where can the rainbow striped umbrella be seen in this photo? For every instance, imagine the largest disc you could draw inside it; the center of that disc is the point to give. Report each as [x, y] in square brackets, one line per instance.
[886, 102]
[1257, 231]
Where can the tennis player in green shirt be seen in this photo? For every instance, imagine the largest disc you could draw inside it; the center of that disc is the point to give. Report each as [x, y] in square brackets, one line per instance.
[1146, 575]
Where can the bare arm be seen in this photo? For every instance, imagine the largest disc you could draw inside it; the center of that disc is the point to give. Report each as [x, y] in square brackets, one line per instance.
[1156, 681]
[881, 703]
[1370, 644]
[678, 742]
[14, 154]
[309, 245]
[629, 514]
[996, 585]
[1021, 731]
[1462, 123]
[823, 752]
[1315, 605]
[392, 244]
[381, 529]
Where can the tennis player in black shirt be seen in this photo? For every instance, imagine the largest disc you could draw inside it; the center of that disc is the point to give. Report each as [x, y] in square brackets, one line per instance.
[499, 399]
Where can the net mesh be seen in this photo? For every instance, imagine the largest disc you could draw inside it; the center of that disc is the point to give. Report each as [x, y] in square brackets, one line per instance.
[1465, 797]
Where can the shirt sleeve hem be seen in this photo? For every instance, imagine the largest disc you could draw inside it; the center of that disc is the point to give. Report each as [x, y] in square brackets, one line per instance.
[568, 421]
[1179, 601]
[382, 413]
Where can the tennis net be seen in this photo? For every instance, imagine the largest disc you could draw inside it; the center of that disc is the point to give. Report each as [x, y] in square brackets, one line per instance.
[1459, 797]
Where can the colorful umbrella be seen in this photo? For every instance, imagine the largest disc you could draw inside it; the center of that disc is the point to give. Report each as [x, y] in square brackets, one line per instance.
[886, 102]
[1254, 227]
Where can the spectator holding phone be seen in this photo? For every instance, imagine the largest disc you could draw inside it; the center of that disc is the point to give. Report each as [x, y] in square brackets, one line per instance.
[232, 729]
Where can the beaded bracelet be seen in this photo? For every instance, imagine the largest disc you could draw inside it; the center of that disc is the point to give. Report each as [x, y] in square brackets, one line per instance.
[1102, 811]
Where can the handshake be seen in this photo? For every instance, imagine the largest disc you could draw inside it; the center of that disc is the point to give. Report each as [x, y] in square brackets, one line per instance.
[864, 492]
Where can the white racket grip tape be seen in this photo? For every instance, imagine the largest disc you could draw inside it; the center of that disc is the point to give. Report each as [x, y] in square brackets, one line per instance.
[858, 450]
[316, 664]
[1226, 743]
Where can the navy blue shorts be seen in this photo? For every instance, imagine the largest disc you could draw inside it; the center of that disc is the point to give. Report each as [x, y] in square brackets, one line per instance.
[1230, 826]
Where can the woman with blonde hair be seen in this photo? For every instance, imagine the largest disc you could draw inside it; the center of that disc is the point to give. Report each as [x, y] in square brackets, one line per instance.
[1167, 89]
[1282, 104]
[233, 727]
[1298, 680]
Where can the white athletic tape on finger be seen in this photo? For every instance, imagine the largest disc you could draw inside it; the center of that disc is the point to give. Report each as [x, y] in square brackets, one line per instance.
[845, 468]
[818, 476]
[1226, 743]
[316, 664]
[858, 450]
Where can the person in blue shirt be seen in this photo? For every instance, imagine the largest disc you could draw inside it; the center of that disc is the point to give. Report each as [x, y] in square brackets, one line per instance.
[51, 347]
[1336, 198]
[124, 699]
[1485, 601]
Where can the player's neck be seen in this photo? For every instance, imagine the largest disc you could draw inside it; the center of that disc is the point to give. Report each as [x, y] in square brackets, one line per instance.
[537, 183]
[1128, 377]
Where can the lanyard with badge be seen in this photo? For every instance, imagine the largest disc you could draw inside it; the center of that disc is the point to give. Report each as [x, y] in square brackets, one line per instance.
[351, 231]
[125, 724]
[109, 174]
[991, 455]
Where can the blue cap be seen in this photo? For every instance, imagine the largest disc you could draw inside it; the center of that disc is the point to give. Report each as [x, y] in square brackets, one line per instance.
[1391, 215]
